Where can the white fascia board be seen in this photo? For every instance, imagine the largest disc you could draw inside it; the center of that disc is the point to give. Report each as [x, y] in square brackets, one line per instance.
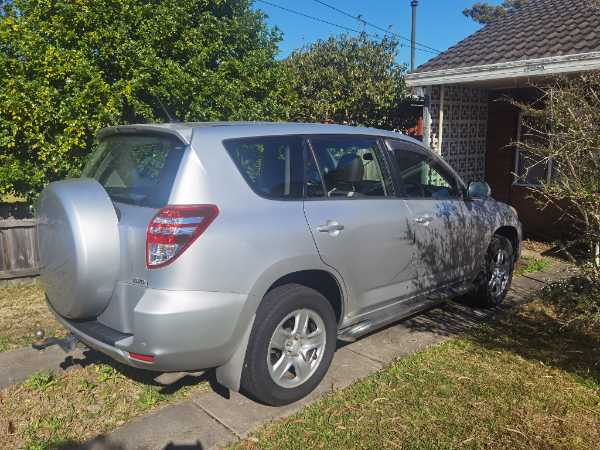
[582, 62]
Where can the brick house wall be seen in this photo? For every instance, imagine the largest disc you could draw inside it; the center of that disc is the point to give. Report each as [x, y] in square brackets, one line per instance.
[503, 119]
[479, 127]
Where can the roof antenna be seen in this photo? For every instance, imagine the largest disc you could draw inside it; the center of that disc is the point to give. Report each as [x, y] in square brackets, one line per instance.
[165, 110]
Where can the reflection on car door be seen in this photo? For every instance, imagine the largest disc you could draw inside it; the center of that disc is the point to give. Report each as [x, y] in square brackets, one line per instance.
[358, 223]
[437, 217]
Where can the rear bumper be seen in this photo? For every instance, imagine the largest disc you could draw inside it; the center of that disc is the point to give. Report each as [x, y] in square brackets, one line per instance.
[182, 330]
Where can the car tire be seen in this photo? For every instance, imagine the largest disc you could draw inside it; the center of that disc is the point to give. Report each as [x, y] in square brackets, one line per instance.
[279, 339]
[496, 279]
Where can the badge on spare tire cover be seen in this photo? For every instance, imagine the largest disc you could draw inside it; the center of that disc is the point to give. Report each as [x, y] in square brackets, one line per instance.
[79, 250]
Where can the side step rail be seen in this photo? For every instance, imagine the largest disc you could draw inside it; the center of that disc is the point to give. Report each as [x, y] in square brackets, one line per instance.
[401, 310]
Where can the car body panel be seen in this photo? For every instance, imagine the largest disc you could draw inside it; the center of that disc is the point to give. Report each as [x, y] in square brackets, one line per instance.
[194, 312]
[373, 252]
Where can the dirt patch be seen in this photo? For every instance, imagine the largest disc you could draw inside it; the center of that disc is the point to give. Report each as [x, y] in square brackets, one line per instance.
[536, 246]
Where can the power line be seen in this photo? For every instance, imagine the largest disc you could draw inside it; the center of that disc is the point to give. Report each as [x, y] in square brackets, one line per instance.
[364, 21]
[318, 19]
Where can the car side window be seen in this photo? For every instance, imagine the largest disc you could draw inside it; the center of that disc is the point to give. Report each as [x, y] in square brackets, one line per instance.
[313, 183]
[272, 166]
[350, 167]
[421, 175]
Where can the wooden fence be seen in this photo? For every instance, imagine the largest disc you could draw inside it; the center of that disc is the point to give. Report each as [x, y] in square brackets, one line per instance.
[18, 249]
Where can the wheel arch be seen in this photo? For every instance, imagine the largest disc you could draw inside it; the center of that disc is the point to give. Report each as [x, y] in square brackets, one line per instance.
[321, 281]
[512, 234]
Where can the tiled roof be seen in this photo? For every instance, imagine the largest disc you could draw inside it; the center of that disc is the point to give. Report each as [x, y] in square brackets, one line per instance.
[542, 28]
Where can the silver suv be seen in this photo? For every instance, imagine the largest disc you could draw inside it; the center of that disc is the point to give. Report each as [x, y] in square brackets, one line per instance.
[252, 248]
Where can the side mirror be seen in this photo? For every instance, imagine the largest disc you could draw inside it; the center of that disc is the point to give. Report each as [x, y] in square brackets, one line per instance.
[479, 189]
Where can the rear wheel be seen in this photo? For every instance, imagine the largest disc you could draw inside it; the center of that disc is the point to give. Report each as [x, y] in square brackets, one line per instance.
[291, 345]
[497, 276]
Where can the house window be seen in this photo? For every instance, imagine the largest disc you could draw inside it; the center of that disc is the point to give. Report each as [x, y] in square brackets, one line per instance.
[530, 169]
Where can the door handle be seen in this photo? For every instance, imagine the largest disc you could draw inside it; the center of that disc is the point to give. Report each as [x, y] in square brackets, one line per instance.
[424, 220]
[330, 228]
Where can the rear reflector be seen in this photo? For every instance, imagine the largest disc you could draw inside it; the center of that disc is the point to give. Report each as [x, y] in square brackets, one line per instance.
[174, 229]
[144, 358]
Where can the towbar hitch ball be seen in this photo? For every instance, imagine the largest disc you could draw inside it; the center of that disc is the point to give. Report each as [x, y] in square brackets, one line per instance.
[67, 344]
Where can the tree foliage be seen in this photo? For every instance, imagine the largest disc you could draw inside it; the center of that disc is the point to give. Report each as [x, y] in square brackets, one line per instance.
[353, 80]
[565, 125]
[485, 13]
[69, 68]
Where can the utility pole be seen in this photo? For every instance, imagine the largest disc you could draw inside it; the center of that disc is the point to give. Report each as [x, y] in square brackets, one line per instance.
[413, 41]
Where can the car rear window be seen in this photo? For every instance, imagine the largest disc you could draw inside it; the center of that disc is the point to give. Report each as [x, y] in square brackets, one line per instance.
[137, 169]
[272, 166]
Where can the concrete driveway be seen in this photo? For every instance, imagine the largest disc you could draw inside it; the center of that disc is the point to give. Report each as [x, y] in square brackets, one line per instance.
[216, 418]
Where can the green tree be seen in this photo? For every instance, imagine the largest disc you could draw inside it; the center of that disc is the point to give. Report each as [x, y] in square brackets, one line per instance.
[352, 80]
[563, 129]
[69, 68]
[485, 13]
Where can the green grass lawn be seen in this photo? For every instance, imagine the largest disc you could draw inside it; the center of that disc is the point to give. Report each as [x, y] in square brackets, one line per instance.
[529, 379]
[50, 411]
[23, 310]
[523, 381]
[528, 264]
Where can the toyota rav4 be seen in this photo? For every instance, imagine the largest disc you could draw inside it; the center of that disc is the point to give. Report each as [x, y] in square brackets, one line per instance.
[253, 248]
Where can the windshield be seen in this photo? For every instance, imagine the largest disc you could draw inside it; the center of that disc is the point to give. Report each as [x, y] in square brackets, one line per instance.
[136, 169]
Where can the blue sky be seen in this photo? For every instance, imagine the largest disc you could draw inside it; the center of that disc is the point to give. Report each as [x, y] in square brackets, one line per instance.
[440, 22]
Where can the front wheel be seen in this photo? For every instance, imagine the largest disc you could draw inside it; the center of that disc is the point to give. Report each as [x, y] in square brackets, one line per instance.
[497, 276]
[291, 345]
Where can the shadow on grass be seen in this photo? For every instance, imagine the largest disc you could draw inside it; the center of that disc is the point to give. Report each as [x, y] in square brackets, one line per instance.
[146, 377]
[533, 332]
[454, 316]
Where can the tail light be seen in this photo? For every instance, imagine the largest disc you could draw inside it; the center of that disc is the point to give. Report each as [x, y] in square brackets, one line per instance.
[143, 358]
[174, 229]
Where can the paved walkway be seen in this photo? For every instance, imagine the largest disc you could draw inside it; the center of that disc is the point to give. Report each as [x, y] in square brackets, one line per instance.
[211, 420]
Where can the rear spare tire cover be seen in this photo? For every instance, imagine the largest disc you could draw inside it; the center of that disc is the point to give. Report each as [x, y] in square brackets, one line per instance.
[78, 242]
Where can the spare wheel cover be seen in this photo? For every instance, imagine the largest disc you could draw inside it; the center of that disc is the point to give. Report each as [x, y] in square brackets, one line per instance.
[78, 241]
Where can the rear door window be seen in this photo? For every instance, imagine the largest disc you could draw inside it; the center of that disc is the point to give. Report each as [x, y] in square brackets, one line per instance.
[351, 166]
[272, 166]
[137, 169]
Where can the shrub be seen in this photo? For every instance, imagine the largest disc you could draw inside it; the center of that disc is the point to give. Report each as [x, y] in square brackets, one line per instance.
[564, 129]
[350, 80]
[71, 68]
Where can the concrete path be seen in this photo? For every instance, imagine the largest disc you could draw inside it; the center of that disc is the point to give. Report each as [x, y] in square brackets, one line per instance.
[18, 365]
[210, 420]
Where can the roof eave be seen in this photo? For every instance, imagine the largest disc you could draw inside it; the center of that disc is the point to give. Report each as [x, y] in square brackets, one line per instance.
[581, 62]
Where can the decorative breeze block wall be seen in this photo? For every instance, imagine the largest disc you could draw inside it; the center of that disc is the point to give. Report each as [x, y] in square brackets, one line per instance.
[464, 128]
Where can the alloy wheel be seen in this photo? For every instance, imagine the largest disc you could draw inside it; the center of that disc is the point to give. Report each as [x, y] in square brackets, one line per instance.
[499, 273]
[296, 348]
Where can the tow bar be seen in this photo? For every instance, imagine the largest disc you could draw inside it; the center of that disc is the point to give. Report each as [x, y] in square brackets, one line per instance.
[67, 344]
